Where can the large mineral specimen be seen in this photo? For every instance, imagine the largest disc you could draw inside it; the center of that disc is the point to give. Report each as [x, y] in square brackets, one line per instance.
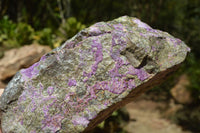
[78, 85]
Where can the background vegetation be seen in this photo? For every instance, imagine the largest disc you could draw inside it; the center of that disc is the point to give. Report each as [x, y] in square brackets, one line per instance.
[51, 22]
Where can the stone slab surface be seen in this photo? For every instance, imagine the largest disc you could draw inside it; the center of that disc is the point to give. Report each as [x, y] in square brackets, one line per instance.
[78, 85]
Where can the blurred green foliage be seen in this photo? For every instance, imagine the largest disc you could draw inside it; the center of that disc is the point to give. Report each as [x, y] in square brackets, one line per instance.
[71, 27]
[24, 33]
[7, 32]
[14, 35]
[44, 37]
[192, 68]
[18, 34]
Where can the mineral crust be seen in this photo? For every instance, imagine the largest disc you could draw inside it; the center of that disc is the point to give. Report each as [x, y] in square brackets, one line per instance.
[78, 85]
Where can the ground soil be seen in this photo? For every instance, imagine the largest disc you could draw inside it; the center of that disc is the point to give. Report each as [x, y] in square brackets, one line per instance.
[148, 115]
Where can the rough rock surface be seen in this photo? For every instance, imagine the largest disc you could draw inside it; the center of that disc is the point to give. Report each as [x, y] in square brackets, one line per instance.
[79, 84]
[18, 58]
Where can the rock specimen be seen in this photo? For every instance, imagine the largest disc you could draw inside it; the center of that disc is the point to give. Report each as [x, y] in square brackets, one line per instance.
[15, 59]
[78, 85]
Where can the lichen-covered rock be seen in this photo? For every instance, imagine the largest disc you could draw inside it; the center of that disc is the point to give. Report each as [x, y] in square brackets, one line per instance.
[79, 84]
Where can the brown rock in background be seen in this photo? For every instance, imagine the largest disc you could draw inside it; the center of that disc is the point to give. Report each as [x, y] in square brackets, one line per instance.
[1, 91]
[18, 58]
[2, 85]
[180, 92]
[147, 118]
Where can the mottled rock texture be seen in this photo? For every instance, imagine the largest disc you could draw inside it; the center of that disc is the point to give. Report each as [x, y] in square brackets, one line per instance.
[79, 84]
